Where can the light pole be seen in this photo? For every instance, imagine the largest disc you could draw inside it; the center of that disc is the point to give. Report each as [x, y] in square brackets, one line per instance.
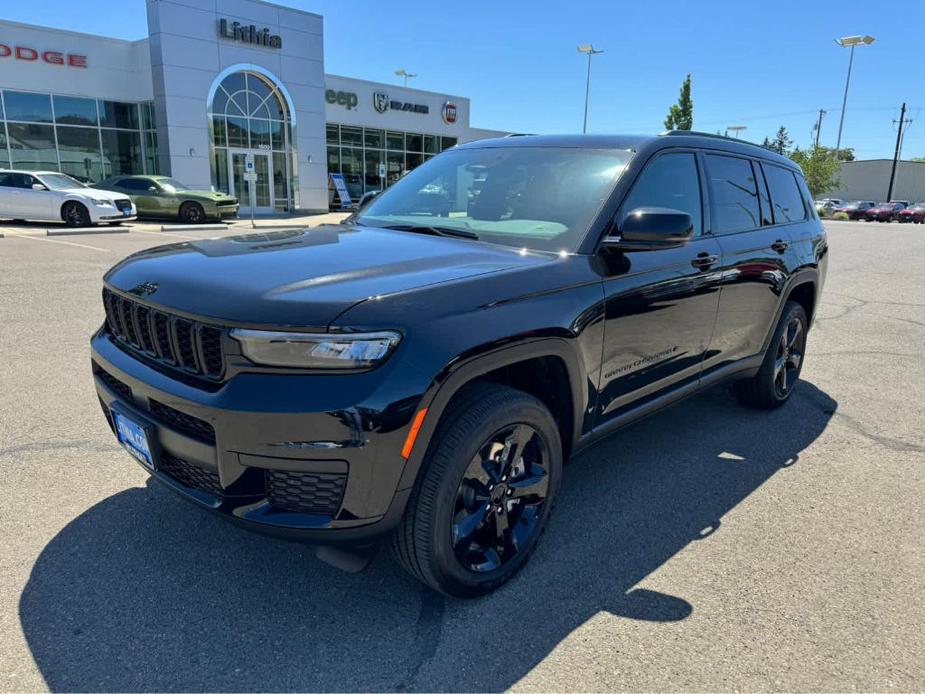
[401, 72]
[736, 129]
[589, 50]
[848, 42]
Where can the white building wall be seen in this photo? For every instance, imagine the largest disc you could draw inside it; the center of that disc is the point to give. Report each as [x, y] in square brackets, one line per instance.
[187, 54]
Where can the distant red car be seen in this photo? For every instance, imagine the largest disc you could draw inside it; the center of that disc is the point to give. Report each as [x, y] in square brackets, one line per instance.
[914, 214]
[856, 209]
[884, 212]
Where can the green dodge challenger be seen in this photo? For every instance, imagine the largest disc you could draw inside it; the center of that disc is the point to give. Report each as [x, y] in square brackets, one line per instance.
[161, 196]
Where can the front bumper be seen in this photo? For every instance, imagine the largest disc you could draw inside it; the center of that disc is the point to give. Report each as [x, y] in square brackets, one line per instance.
[307, 457]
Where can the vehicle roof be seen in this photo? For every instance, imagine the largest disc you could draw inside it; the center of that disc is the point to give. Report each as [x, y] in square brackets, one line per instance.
[678, 138]
[29, 171]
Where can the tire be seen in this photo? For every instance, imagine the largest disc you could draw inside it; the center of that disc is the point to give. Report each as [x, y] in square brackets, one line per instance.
[447, 538]
[115, 224]
[75, 214]
[192, 213]
[780, 371]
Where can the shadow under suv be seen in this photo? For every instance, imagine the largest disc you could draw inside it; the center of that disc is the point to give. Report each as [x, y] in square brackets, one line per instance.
[419, 373]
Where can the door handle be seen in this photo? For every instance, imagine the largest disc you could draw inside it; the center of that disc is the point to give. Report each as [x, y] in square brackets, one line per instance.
[780, 245]
[704, 260]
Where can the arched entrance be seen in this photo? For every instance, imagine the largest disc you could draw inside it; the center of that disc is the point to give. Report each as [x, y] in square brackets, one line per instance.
[251, 118]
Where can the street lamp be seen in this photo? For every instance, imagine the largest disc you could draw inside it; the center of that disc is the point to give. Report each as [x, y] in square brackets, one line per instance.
[848, 42]
[589, 50]
[736, 129]
[403, 73]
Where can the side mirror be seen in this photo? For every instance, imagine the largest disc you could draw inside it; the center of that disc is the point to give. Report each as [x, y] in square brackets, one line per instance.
[651, 228]
[38, 186]
[367, 198]
[152, 190]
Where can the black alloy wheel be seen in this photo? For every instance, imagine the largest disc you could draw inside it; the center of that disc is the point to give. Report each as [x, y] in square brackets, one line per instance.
[500, 498]
[192, 213]
[75, 215]
[789, 358]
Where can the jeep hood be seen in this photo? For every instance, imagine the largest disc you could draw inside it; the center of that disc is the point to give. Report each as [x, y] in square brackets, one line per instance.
[302, 277]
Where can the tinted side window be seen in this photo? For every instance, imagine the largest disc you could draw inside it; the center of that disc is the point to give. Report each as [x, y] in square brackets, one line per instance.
[134, 184]
[21, 180]
[785, 195]
[735, 195]
[6, 180]
[670, 181]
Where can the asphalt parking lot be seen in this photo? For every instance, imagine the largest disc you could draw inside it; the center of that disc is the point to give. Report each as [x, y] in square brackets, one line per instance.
[709, 547]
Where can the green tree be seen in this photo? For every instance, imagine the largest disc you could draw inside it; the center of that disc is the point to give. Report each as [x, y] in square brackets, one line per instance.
[820, 166]
[781, 142]
[846, 154]
[681, 115]
[919, 159]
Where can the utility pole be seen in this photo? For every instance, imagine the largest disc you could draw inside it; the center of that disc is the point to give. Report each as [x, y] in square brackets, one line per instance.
[899, 139]
[819, 128]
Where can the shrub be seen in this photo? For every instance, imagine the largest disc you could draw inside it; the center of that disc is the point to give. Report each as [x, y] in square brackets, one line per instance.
[840, 216]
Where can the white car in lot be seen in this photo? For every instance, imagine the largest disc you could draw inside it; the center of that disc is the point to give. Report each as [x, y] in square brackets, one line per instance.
[50, 196]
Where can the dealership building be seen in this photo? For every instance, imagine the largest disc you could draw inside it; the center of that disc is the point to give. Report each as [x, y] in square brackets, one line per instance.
[219, 87]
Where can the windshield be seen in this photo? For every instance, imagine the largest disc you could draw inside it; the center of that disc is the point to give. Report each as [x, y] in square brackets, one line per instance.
[540, 198]
[171, 185]
[56, 181]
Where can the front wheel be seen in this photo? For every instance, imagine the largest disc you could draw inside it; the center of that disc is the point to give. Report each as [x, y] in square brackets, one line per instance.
[75, 214]
[192, 213]
[775, 381]
[485, 493]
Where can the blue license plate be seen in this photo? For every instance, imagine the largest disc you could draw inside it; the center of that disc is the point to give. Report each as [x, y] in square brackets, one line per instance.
[127, 212]
[134, 438]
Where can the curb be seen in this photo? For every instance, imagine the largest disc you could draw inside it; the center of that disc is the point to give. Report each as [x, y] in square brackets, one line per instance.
[192, 227]
[86, 230]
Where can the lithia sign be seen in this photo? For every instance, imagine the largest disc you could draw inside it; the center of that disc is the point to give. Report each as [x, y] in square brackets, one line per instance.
[248, 34]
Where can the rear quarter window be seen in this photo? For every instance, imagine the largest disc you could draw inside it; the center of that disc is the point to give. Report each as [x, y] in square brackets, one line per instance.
[786, 200]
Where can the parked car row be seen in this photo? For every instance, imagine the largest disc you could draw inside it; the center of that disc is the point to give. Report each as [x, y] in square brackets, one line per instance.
[50, 196]
[871, 211]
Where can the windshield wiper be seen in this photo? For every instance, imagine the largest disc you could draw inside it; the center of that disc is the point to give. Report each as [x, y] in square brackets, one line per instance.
[435, 231]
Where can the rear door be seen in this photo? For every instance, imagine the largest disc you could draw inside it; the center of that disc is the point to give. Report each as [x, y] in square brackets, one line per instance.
[6, 194]
[660, 305]
[756, 237]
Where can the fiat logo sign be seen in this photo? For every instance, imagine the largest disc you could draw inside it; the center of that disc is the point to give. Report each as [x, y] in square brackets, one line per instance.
[449, 112]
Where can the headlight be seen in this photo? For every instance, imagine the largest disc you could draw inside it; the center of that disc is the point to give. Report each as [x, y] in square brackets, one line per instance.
[101, 203]
[317, 350]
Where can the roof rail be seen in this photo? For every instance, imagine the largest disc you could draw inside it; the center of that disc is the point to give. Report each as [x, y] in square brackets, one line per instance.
[703, 134]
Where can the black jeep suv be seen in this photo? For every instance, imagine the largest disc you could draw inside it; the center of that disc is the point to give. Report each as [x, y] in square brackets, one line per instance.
[420, 373]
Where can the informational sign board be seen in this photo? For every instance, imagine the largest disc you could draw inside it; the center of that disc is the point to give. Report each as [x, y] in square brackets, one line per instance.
[250, 176]
[381, 170]
[340, 185]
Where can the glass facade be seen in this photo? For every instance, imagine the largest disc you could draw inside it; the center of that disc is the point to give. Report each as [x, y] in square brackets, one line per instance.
[248, 115]
[89, 139]
[357, 153]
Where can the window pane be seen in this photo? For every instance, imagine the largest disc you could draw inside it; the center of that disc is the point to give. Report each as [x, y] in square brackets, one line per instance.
[374, 138]
[259, 91]
[121, 153]
[119, 114]
[430, 144]
[147, 115]
[277, 136]
[766, 217]
[280, 195]
[373, 159]
[785, 195]
[395, 166]
[237, 132]
[219, 101]
[352, 167]
[219, 134]
[277, 108]
[70, 110]
[220, 161]
[670, 181]
[29, 107]
[414, 142]
[395, 140]
[151, 160]
[447, 142]
[260, 133]
[333, 137]
[79, 150]
[351, 136]
[735, 195]
[32, 146]
[413, 159]
[333, 160]
[4, 153]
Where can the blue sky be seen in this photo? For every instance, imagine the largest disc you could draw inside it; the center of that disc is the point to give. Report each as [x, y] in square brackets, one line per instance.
[757, 64]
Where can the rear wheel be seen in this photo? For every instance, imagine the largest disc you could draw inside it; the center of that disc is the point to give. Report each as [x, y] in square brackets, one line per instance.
[75, 214]
[774, 383]
[485, 492]
[192, 213]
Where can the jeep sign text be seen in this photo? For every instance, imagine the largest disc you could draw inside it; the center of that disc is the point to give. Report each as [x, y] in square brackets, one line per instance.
[348, 99]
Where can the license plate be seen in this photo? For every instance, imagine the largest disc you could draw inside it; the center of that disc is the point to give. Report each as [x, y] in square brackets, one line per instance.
[134, 437]
[127, 212]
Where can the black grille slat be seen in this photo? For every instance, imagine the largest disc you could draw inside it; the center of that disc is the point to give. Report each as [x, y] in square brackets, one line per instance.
[115, 385]
[319, 493]
[190, 475]
[193, 346]
[185, 423]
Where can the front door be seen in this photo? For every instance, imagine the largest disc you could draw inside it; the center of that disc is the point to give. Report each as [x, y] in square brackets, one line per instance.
[264, 202]
[29, 203]
[660, 305]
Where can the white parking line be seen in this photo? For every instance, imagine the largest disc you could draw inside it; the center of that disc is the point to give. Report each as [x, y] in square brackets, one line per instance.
[66, 243]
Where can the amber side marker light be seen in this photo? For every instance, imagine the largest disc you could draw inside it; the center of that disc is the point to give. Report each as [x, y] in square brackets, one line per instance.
[413, 434]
